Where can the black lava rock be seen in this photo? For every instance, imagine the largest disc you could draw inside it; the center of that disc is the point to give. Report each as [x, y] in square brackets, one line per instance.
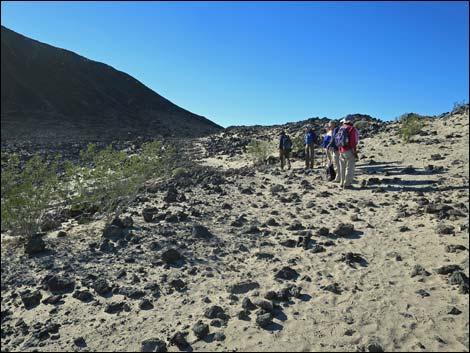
[114, 308]
[113, 232]
[317, 249]
[248, 305]
[83, 295]
[264, 304]
[58, 284]
[101, 287]
[264, 320]
[333, 288]
[35, 244]
[201, 232]
[215, 312]
[448, 269]
[153, 345]
[419, 270]
[344, 229]
[171, 256]
[148, 213]
[201, 330]
[179, 340]
[287, 273]
[31, 299]
[79, 342]
[145, 304]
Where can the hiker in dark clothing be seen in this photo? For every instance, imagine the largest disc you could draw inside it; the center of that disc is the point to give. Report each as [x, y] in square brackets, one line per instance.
[285, 148]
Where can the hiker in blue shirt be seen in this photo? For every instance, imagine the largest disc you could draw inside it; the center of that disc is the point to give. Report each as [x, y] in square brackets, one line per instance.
[327, 137]
[285, 148]
[309, 147]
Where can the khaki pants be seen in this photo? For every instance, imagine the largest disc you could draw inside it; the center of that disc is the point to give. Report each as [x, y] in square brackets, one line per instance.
[347, 164]
[332, 157]
[283, 155]
[309, 155]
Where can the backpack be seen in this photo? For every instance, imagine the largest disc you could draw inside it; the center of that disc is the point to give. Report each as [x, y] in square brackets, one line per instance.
[332, 143]
[342, 137]
[330, 173]
[287, 143]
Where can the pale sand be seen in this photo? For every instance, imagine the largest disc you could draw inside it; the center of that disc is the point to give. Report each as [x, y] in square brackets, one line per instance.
[379, 301]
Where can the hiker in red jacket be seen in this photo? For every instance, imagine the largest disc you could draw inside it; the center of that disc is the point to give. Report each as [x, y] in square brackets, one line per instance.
[346, 140]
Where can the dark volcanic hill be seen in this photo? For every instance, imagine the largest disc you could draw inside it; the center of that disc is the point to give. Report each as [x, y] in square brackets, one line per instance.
[52, 93]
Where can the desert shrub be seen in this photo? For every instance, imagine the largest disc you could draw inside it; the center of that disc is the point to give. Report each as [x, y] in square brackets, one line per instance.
[298, 143]
[179, 171]
[361, 124]
[410, 125]
[106, 181]
[110, 180]
[460, 106]
[28, 192]
[258, 151]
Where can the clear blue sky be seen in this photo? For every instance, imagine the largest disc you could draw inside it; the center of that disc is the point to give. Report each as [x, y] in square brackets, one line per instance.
[270, 62]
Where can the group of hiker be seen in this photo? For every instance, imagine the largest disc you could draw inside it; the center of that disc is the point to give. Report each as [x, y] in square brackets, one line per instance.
[339, 144]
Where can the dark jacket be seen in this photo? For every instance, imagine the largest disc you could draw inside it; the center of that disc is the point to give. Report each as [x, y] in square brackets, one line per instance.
[281, 141]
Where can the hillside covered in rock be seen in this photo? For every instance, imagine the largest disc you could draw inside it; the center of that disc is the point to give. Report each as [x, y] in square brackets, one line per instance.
[51, 95]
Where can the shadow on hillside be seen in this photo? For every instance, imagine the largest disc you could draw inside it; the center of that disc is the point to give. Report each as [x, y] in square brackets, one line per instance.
[356, 235]
[279, 314]
[400, 182]
[188, 347]
[402, 188]
[397, 184]
[273, 327]
[305, 297]
[43, 254]
[395, 169]
[372, 163]
[361, 262]
[209, 338]
[177, 264]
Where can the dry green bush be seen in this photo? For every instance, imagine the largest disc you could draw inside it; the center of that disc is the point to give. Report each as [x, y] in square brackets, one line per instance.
[298, 144]
[410, 124]
[28, 192]
[258, 151]
[111, 180]
[361, 124]
[108, 180]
